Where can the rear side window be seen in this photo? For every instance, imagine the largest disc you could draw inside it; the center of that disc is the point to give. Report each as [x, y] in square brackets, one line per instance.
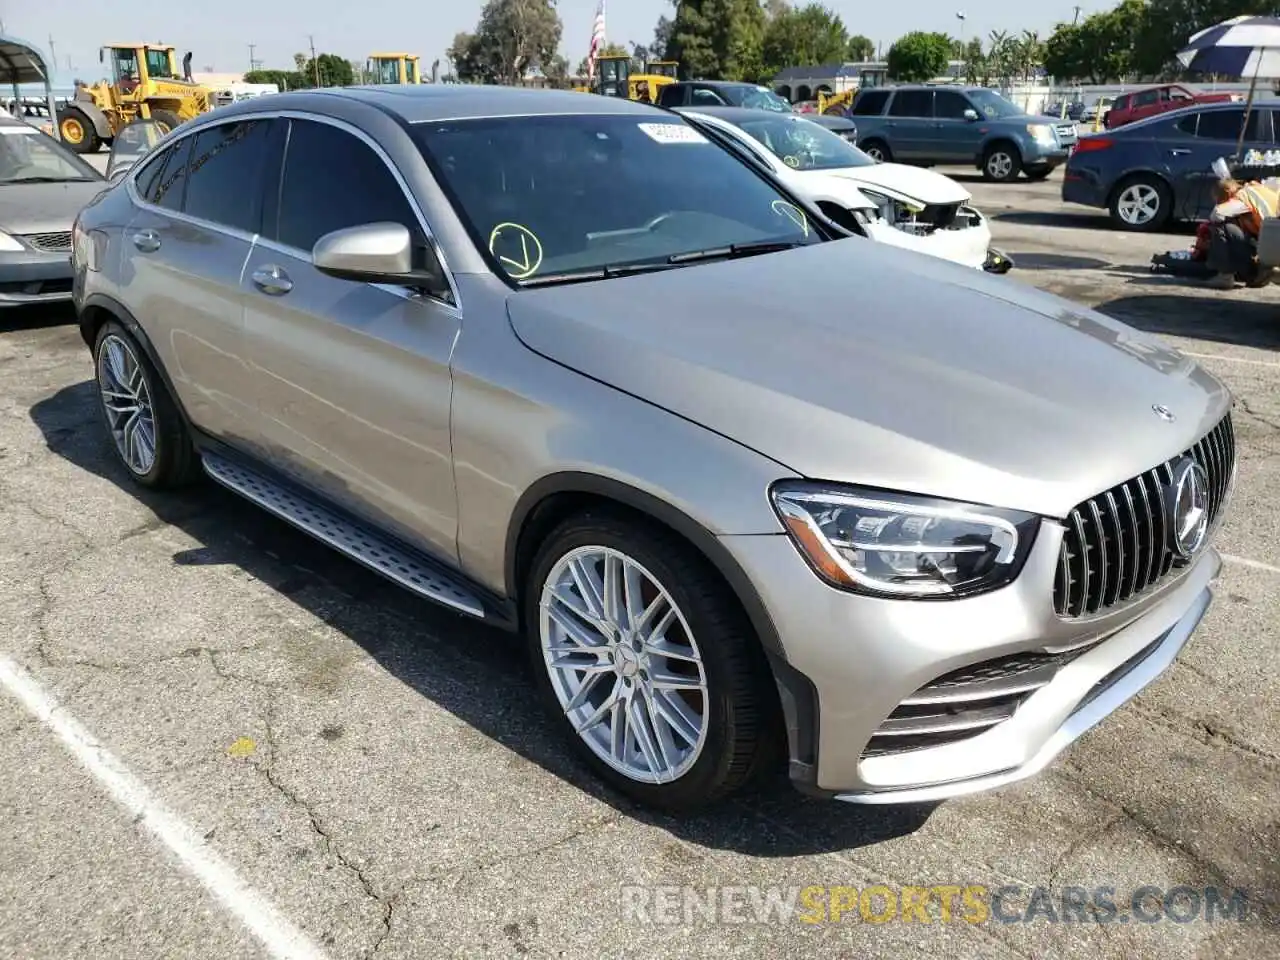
[224, 176]
[164, 179]
[333, 180]
[1188, 123]
[1122, 103]
[912, 103]
[871, 103]
[1146, 98]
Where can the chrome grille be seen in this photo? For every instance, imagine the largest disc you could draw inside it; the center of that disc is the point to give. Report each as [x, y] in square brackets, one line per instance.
[967, 702]
[1117, 544]
[1066, 134]
[50, 242]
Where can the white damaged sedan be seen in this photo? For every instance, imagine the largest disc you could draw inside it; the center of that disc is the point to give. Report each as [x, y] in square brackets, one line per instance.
[896, 204]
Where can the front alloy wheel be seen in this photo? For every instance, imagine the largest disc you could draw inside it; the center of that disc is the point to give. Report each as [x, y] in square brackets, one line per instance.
[126, 401]
[647, 658]
[624, 664]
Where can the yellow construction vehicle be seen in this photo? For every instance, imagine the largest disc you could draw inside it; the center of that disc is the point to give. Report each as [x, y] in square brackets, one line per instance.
[144, 83]
[663, 68]
[615, 79]
[835, 103]
[394, 68]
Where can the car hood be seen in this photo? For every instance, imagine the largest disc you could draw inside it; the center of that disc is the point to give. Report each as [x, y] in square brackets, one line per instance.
[44, 207]
[885, 368]
[908, 183]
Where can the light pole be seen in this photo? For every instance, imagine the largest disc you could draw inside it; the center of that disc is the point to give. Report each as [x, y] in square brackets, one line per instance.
[961, 18]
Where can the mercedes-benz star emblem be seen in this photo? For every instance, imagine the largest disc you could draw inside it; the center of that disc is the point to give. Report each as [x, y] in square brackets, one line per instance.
[1188, 508]
[1163, 412]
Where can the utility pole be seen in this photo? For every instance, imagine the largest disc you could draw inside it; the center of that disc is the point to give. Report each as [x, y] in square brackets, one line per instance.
[314, 62]
[1076, 19]
[253, 64]
[53, 54]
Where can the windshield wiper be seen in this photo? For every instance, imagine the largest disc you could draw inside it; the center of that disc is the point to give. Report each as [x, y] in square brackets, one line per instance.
[734, 250]
[47, 180]
[653, 266]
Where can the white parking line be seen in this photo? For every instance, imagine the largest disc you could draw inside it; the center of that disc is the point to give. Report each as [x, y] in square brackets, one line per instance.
[1251, 564]
[1218, 356]
[282, 940]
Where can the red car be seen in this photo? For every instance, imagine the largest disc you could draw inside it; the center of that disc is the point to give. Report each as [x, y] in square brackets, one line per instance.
[1147, 103]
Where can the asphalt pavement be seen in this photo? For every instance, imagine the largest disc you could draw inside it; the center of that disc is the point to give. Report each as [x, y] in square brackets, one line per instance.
[225, 741]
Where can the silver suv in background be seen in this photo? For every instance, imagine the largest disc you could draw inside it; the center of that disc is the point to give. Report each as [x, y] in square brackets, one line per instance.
[745, 484]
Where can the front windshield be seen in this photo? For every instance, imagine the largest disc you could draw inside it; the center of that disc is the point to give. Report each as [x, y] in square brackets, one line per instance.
[27, 155]
[993, 106]
[759, 98]
[553, 195]
[804, 145]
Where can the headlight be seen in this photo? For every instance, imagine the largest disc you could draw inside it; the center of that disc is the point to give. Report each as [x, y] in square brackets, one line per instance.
[1041, 133]
[10, 245]
[898, 545]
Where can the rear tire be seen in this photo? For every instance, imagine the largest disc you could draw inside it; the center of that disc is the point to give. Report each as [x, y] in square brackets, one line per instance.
[1141, 204]
[721, 700]
[1038, 173]
[149, 435]
[76, 131]
[1001, 163]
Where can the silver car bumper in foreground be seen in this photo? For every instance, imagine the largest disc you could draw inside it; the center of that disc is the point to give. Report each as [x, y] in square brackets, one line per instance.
[32, 277]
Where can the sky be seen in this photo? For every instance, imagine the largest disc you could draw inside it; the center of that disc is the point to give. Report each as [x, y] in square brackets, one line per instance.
[219, 34]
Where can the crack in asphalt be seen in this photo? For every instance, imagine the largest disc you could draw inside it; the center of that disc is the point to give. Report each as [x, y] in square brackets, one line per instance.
[1263, 419]
[1206, 731]
[386, 904]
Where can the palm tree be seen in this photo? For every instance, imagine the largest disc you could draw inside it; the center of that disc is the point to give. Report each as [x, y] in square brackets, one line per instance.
[1032, 52]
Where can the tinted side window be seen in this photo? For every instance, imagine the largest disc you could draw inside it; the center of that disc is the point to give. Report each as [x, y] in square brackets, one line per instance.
[171, 183]
[1188, 123]
[871, 103]
[334, 180]
[224, 177]
[152, 172]
[672, 95]
[949, 105]
[912, 103]
[707, 98]
[1122, 103]
[1146, 98]
[1225, 125]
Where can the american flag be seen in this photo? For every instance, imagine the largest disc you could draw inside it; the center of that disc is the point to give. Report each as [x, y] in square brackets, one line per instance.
[597, 41]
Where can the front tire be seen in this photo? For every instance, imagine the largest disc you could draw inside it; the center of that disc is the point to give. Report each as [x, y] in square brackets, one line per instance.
[167, 119]
[148, 433]
[878, 150]
[646, 658]
[1001, 163]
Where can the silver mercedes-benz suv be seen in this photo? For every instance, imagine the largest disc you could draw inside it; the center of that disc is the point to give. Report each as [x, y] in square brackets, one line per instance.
[749, 485]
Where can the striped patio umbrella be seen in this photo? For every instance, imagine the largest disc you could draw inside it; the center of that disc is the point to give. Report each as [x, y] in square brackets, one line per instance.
[1240, 47]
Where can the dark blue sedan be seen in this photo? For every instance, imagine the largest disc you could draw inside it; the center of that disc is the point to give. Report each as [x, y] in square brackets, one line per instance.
[1152, 172]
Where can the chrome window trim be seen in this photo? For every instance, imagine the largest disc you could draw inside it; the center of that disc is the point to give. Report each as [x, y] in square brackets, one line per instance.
[296, 114]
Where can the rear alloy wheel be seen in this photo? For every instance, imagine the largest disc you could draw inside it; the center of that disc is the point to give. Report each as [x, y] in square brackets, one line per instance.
[149, 434]
[1001, 163]
[1141, 204]
[647, 659]
[76, 131]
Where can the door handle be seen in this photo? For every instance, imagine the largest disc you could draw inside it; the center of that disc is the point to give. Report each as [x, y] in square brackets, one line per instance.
[1178, 151]
[148, 241]
[273, 280]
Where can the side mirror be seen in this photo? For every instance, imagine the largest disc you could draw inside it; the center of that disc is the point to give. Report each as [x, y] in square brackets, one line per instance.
[970, 114]
[372, 253]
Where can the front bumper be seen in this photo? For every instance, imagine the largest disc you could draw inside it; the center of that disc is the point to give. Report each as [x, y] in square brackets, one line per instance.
[862, 658]
[968, 246]
[34, 277]
[1041, 156]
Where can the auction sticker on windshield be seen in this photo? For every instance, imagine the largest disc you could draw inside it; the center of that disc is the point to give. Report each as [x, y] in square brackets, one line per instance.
[671, 133]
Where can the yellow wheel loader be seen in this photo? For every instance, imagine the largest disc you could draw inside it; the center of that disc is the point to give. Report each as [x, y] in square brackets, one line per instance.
[393, 68]
[145, 84]
[615, 79]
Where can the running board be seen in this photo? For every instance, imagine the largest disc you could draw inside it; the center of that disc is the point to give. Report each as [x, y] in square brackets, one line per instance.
[357, 542]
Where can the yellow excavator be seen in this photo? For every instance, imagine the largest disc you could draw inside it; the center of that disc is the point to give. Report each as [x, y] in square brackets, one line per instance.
[145, 84]
[615, 79]
[835, 103]
[394, 68]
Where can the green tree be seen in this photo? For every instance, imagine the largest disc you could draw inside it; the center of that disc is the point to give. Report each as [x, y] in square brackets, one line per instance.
[919, 56]
[512, 38]
[469, 63]
[1064, 54]
[860, 49]
[661, 38]
[283, 79]
[977, 68]
[720, 39]
[808, 36]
